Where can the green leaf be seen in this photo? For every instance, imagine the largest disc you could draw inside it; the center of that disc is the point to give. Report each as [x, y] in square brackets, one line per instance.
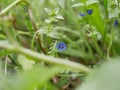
[73, 52]
[3, 52]
[95, 19]
[106, 7]
[25, 63]
[56, 10]
[48, 21]
[47, 10]
[95, 34]
[89, 2]
[114, 13]
[36, 77]
[54, 35]
[105, 78]
[59, 17]
[116, 46]
[2, 36]
[78, 5]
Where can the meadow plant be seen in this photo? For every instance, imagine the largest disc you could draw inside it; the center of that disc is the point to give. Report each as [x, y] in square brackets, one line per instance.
[59, 44]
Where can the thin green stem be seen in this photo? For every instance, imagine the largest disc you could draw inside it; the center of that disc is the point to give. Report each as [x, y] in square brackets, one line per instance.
[106, 18]
[118, 5]
[98, 48]
[86, 42]
[6, 63]
[40, 57]
[4, 11]
[23, 33]
[9, 7]
[109, 47]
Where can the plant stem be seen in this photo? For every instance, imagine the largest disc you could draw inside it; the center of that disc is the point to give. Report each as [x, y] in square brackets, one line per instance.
[6, 62]
[35, 28]
[40, 57]
[3, 12]
[98, 49]
[109, 47]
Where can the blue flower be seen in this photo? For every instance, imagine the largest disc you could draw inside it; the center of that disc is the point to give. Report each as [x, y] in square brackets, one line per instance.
[116, 22]
[61, 46]
[82, 14]
[90, 11]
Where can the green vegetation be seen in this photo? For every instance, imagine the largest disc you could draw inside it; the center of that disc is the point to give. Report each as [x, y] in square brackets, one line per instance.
[59, 44]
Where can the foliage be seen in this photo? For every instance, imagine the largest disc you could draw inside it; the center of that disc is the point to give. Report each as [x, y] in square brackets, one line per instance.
[53, 44]
[104, 78]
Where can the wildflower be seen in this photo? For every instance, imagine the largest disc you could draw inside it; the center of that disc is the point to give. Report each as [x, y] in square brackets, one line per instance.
[61, 46]
[116, 22]
[90, 11]
[82, 14]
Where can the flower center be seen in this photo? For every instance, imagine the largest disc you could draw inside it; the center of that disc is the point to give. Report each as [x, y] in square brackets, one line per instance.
[61, 46]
